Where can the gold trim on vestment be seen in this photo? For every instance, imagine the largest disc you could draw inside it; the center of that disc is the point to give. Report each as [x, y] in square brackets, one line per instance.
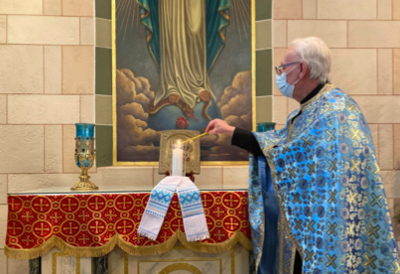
[281, 228]
[325, 89]
[261, 243]
[292, 261]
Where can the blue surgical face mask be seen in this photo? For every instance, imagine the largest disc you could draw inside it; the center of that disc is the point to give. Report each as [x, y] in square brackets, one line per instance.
[284, 87]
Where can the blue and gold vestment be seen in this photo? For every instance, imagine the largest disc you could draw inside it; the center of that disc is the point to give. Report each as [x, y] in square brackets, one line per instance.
[328, 198]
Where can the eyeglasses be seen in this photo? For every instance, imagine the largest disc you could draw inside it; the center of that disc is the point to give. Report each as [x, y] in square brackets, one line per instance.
[279, 69]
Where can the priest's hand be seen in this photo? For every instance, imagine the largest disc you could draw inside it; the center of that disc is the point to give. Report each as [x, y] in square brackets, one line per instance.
[218, 126]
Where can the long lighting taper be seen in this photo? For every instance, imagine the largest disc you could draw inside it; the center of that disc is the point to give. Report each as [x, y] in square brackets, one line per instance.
[195, 137]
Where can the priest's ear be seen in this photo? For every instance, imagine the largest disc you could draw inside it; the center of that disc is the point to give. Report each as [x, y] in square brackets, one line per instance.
[304, 71]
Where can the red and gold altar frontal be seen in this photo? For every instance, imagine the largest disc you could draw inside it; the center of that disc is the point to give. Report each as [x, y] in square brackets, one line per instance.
[90, 225]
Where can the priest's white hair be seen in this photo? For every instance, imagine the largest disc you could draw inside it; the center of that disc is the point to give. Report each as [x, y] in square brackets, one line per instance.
[316, 54]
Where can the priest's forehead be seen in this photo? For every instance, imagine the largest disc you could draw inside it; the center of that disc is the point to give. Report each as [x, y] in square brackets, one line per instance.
[290, 56]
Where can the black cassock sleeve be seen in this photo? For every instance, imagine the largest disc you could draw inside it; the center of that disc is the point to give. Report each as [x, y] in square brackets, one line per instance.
[245, 139]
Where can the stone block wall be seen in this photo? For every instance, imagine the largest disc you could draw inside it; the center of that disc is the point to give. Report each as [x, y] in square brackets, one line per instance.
[47, 50]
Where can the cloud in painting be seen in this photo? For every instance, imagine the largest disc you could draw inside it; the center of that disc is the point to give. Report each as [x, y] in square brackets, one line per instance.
[134, 109]
[236, 107]
[147, 153]
[131, 88]
[237, 101]
[134, 135]
[135, 138]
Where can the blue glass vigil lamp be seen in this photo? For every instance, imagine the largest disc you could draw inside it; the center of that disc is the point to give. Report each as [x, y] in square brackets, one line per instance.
[84, 155]
[266, 126]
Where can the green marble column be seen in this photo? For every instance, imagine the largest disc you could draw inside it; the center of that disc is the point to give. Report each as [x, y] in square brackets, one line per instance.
[101, 264]
[35, 266]
[252, 263]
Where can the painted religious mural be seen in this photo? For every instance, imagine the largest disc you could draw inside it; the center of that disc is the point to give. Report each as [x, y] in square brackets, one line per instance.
[177, 65]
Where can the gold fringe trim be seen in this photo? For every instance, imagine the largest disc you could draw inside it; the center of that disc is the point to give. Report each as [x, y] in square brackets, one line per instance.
[149, 249]
[97, 251]
[75, 251]
[216, 248]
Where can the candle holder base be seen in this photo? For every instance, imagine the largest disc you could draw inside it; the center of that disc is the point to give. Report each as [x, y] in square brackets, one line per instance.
[84, 183]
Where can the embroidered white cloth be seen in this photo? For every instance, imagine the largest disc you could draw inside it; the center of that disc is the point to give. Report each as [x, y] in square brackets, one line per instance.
[194, 220]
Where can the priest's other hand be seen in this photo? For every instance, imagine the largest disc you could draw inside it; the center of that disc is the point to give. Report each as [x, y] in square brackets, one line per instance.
[218, 126]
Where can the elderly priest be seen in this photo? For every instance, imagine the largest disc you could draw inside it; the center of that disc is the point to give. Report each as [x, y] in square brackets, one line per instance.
[317, 202]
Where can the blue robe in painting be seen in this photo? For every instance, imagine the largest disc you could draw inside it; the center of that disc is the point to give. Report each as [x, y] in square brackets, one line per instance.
[320, 192]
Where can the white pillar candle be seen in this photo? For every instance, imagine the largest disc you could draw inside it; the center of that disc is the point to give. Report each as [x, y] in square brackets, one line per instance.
[177, 159]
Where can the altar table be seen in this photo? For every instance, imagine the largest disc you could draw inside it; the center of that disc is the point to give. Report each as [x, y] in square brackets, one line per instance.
[90, 224]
